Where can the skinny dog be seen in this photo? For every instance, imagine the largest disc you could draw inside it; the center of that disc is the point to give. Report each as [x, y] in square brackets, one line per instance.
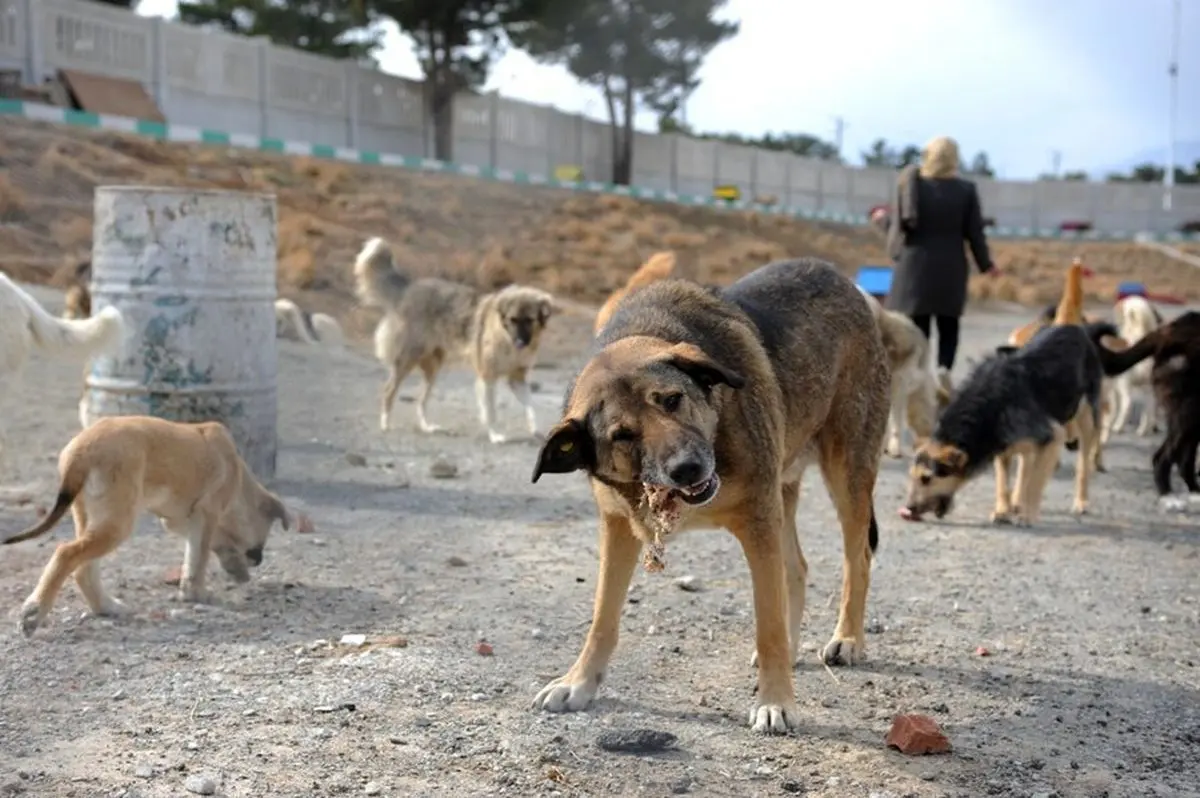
[702, 408]
[189, 475]
[430, 320]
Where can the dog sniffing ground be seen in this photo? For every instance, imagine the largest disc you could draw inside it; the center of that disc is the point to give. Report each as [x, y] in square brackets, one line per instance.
[1090, 685]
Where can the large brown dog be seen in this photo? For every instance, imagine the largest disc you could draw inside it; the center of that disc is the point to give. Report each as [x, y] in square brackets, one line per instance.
[702, 408]
[189, 475]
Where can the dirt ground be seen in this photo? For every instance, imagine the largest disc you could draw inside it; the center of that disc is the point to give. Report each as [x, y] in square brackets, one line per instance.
[580, 246]
[1092, 628]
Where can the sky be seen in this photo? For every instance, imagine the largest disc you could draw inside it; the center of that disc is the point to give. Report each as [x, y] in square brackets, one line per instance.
[1017, 79]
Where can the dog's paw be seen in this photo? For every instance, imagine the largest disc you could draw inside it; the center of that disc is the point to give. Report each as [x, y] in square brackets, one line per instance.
[844, 651]
[1172, 504]
[30, 618]
[566, 694]
[1022, 520]
[430, 429]
[774, 718]
[497, 437]
[1000, 518]
[193, 594]
[1079, 507]
[893, 449]
[113, 608]
[385, 422]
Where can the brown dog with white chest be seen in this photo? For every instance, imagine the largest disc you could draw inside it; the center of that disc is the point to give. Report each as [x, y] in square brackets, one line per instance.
[702, 408]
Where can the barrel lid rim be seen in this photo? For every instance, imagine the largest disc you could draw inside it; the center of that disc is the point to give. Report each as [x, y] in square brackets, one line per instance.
[131, 188]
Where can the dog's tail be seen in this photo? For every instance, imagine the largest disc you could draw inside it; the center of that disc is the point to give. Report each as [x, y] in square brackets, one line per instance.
[1070, 307]
[657, 267]
[1115, 363]
[377, 281]
[84, 338]
[873, 533]
[287, 310]
[74, 475]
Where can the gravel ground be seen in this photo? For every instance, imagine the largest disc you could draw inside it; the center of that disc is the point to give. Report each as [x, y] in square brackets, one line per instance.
[1092, 629]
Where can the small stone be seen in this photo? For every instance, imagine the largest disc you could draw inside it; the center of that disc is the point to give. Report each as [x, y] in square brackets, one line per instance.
[916, 735]
[422, 722]
[355, 459]
[373, 788]
[484, 649]
[536, 634]
[441, 468]
[874, 627]
[456, 562]
[479, 696]
[353, 641]
[117, 696]
[682, 786]
[636, 741]
[792, 786]
[688, 584]
[143, 772]
[982, 652]
[200, 785]
[928, 775]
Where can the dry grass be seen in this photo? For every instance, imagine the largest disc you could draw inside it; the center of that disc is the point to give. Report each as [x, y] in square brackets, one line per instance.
[579, 246]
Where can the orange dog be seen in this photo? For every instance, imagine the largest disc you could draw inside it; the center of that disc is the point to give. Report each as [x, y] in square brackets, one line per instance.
[659, 266]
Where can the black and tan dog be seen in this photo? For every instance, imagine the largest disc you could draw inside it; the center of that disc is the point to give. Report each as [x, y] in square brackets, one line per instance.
[702, 408]
[1175, 377]
[1018, 402]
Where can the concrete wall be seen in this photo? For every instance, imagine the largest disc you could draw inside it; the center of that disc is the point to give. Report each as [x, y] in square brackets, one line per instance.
[215, 81]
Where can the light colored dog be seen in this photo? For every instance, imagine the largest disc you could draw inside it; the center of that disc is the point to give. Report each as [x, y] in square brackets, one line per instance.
[430, 320]
[25, 326]
[311, 328]
[917, 392]
[189, 475]
[1136, 318]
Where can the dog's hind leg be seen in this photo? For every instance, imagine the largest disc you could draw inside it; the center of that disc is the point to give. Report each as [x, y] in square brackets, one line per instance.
[619, 550]
[1162, 462]
[430, 366]
[1124, 402]
[897, 417]
[1002, 514]
[518, 384]
[91, 543]
[1185, 459]
[398, 371]
[1089, 455]
[87, 577]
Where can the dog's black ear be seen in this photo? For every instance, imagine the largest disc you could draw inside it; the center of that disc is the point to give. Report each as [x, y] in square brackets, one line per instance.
[568, 448]
[701, 367]
[1006, 349]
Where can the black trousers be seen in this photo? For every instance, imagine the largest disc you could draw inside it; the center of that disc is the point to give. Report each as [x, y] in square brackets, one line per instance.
[947, 327]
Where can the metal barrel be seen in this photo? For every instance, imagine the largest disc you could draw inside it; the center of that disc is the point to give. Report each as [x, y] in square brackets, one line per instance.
[193, 272]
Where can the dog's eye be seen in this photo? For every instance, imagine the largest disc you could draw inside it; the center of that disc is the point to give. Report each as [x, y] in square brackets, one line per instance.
[622, 435]
[671, 402]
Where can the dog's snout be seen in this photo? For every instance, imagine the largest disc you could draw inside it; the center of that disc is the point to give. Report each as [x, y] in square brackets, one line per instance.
[255, 555]
[687, 472]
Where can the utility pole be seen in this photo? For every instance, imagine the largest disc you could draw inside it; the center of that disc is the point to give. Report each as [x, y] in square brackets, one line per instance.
[839, 131]
[1173, 72]
[1056, 161]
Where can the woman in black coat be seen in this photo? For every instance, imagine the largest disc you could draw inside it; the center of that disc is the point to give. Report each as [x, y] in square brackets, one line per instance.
[936, 211]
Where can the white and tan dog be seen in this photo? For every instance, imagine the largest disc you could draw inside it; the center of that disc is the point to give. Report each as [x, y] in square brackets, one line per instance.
[429, 321]
[25, 327]
[916, 390]
[1136, 318]
[189, 475]
[311, 328]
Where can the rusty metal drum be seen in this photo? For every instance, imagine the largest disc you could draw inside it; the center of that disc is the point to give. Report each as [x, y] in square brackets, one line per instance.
[193, 272]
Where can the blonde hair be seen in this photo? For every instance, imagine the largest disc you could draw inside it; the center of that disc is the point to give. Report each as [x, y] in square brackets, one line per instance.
[939, 158]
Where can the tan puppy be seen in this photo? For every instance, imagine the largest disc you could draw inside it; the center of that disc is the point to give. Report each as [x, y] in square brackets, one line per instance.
[189, 475]
[428, 321]
[703, 408]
